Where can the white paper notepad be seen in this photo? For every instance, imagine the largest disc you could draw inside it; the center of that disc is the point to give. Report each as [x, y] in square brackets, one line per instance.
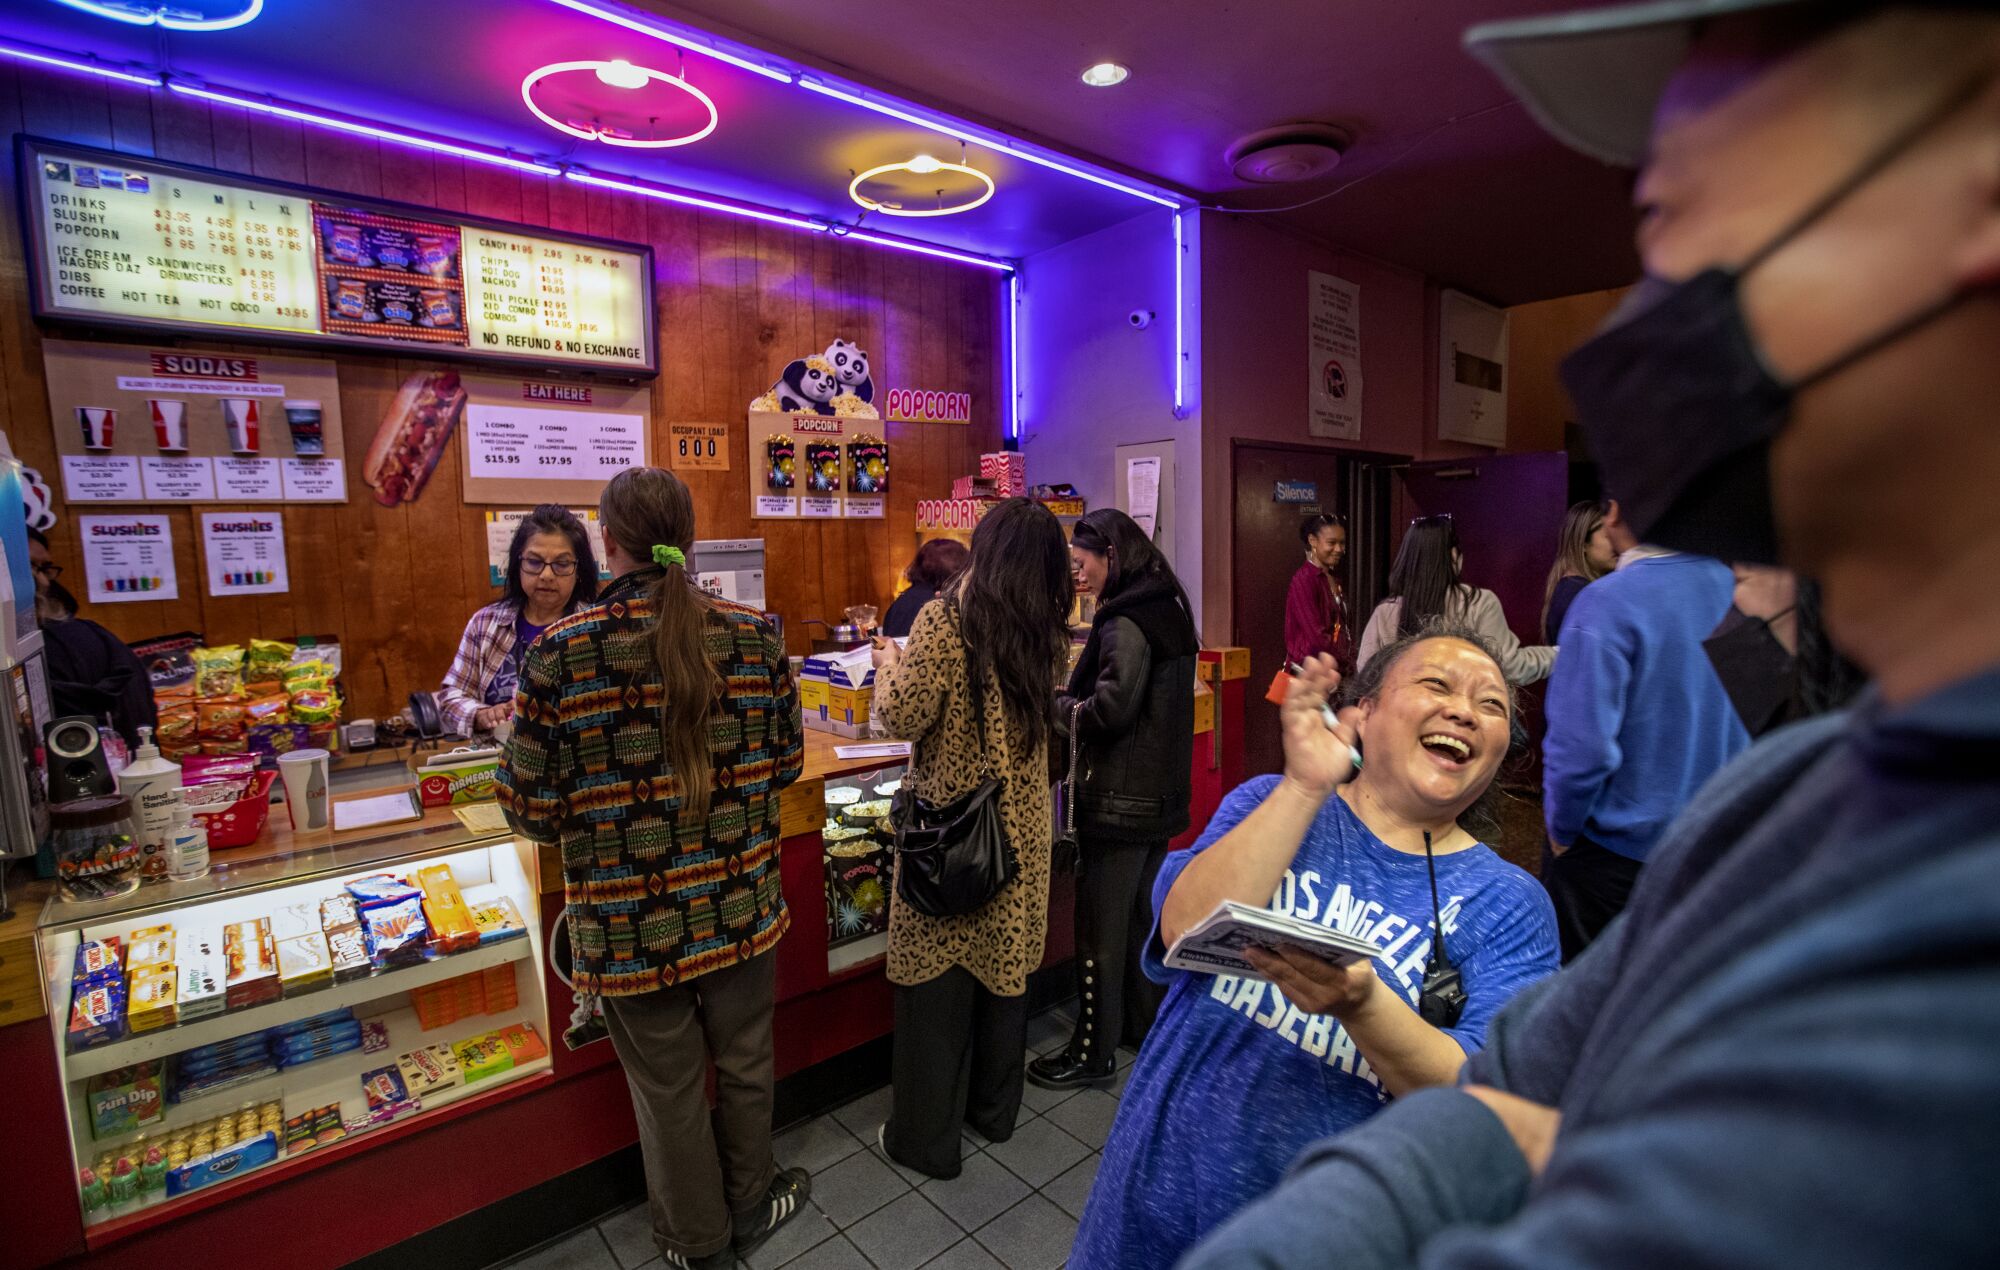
[382, 809]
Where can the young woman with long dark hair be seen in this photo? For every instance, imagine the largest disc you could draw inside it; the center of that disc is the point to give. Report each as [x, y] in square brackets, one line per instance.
[1583, 555]
[1316, 619]
[1424, 589]
[1131, 698]
[972, 694]
[653, 732]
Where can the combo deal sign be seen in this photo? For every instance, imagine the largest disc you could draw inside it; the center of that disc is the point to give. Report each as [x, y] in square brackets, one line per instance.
[921, 405]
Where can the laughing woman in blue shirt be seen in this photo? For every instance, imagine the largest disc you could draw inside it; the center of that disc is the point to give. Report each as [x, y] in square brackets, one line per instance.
[1239, 1074]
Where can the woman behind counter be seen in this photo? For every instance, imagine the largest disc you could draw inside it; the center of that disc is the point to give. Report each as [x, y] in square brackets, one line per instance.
[961, 982]
[551, 573]
[1132, 698]
[938, 562]
[655, 731]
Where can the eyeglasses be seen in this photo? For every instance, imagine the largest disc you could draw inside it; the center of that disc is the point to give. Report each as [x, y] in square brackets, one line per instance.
[49, 571]
[561, 568]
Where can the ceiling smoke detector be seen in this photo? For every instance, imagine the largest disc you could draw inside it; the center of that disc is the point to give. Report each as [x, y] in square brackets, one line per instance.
[1287, 154]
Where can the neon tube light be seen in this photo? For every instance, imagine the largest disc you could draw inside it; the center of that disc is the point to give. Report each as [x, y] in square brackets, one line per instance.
[1180, 340]
[922, 165]
[925, 249]
[365, 129]
[1014, 356]
[88, 68]
[171, 19]
[690, 200]
[619, 72]
[957, 133]
[603, 14]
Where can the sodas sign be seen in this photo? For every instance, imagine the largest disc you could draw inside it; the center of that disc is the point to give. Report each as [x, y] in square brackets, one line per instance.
[923, 405]
[205, 366]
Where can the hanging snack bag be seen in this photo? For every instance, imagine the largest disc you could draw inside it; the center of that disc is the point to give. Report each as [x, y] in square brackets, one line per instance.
[867, 465]
[781, 471]
[822, 467]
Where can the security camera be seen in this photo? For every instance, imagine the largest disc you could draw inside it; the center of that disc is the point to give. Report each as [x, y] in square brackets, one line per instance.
[1140, 319]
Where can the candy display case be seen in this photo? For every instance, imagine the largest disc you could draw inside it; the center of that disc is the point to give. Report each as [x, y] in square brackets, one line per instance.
[216, 1032]
[860, 865]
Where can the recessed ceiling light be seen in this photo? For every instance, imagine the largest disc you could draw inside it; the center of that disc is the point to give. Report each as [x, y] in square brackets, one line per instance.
[619, 73]
[1105, 74]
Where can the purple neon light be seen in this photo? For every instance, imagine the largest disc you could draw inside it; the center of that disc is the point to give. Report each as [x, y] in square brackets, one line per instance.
[690, 200]
[1014, 356]
[364, 129]
[924, 249]
[71, 64]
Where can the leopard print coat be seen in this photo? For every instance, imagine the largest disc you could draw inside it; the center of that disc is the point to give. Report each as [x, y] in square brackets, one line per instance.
[923, 698]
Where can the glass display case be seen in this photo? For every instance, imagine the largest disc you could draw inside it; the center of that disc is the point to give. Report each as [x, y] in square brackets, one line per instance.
[860, 865]
[212, 1032]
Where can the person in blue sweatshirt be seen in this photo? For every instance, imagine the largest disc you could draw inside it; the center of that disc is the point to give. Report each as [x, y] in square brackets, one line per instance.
[1637, 721]
[1783, 1054]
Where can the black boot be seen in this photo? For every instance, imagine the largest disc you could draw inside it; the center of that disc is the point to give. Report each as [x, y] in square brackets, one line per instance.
[1084, 1061]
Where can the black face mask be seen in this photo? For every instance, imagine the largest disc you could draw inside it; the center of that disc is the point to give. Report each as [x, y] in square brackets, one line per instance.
[1679, 407]
[1760, 677]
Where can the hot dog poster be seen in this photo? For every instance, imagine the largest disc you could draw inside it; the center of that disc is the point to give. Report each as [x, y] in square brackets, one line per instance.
[533, 440]
[190, 425]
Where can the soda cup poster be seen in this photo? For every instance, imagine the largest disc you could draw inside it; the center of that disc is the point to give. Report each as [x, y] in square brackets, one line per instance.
[245, 553]
[128, 558]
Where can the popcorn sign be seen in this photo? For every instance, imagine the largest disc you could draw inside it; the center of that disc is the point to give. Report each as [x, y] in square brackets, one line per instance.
[923, 405]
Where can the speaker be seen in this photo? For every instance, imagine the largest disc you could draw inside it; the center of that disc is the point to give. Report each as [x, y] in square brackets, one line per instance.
[77, 768]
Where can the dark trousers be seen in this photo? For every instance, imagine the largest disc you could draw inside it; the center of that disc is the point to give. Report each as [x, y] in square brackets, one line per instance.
[1589, 886]
[959, 1059]
[701, 1168]
[1115, 1000]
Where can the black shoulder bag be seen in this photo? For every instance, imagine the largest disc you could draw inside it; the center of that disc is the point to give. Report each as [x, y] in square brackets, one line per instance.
[952, 860]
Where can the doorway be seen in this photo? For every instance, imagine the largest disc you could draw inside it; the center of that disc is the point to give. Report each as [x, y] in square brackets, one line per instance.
[1274, 487]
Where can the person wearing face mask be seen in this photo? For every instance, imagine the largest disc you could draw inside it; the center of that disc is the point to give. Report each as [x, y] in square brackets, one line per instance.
[1771, 652]
[1315, 606]
[1782, 1054]
[1240, 1072]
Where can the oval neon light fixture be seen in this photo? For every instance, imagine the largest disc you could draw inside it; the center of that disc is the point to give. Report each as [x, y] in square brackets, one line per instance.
[618, 73]
[922, 165]
[173, 19]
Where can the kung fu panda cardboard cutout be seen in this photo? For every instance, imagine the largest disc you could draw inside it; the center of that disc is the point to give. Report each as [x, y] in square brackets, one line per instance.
[836, 382]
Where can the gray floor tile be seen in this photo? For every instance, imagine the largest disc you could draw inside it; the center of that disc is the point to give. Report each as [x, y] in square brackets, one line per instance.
[977, 1141]
[904, 1235]
[1072, 1189]
[977, 1195]
[584, 1250]
[806, 1231]
[1086, 1117]
[1038, 1152]
[654, 1264]
[835, 1254]
[630, 1235]
[966, 1254]
[914, 1177]
[819, 1143]
[1047, 1031]
[1125, 1056]
[1032, 1235]
[864, 1113]
[1117, 1087]
[1038, 1100]
[856, 1187]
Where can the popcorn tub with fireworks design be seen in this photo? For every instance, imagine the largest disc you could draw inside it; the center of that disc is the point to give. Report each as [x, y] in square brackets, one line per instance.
[859, 872]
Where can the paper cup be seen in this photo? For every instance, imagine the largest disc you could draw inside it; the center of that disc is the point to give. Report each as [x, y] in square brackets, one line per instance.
[239, 415]
[305, 773]
[169, 423]
[98, 424]
[308, 428]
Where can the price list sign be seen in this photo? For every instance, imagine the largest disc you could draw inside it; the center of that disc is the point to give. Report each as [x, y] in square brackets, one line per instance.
[123, 240]
[536, 444]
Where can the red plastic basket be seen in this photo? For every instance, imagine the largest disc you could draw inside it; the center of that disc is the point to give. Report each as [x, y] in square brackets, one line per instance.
[239, 824]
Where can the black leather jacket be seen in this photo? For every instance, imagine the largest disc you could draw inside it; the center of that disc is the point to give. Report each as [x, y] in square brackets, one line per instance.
[1137, 733]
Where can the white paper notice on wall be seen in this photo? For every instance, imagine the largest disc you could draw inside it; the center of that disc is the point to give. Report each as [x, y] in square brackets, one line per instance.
[245, 552]
[178, 480]
[1333, 351]
[110, 478]
[314, 480]
[1142, 492]
[249, 480]
[530, 443]
[128, 558]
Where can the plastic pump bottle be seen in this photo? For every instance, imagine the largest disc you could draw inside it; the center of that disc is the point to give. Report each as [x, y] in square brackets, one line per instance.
[188, 859]
[154, 786]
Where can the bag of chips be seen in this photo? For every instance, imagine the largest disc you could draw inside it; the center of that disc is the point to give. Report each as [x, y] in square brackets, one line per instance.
[218, 672]
[265, 665]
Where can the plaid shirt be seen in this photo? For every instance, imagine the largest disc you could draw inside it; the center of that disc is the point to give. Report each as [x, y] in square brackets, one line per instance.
[482, 650]
[651, 903]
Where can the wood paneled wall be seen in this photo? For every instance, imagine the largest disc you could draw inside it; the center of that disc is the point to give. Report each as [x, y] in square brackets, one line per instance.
[738, 299]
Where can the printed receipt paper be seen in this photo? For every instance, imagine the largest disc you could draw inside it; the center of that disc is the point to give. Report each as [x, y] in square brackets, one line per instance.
[1216, 944]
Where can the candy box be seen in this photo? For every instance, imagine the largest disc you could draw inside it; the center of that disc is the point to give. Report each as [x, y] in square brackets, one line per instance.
[219, 1166]
[441, 784]
[294, 920]
[383, 1087]
[305, 964]
[149, 1002]
[523, 1043]
[430, 1069]
[444, 909]
[251, 958]
[125, 1100]
[153, 946]
[483, 1056]
[494, 915]
[349, 950]
[97, 1015]
[379, 889]
[97, 961]
[1008, 470]
[338, 910]
[201, 973]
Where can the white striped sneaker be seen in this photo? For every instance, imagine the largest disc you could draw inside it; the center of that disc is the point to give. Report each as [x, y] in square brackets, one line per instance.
[721, 1259]
[788, 1194]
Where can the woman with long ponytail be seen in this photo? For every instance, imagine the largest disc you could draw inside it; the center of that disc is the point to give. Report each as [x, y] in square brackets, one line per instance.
[653, 731]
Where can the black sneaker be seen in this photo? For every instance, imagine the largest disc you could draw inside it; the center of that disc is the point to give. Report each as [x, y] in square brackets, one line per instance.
[788, 1194]
[720, 1259]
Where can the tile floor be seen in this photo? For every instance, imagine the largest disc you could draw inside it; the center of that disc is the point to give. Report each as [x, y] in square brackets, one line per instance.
[1015, 1205]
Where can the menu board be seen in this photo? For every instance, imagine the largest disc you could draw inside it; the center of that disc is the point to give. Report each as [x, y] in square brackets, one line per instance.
[121, 240]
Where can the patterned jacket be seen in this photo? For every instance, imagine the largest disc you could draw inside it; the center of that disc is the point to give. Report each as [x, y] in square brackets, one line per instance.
[650, 905]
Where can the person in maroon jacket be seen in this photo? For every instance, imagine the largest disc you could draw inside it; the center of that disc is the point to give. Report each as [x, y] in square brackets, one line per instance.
[1315, 607]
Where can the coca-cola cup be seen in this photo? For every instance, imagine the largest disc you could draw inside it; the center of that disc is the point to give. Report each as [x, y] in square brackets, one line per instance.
[169, 423]
[98, 423]
[239, 414]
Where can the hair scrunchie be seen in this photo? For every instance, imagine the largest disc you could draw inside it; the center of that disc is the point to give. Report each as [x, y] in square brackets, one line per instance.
[664, 556]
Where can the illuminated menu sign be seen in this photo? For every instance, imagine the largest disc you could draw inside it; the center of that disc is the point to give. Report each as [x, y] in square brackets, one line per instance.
[124, 241]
